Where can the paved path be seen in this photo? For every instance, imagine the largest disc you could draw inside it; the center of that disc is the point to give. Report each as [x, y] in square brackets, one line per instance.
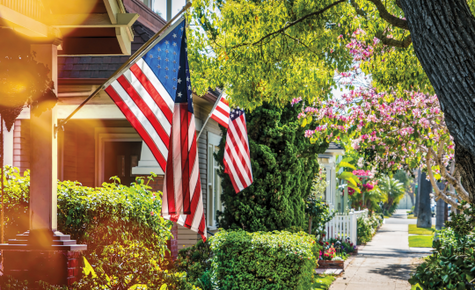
[384, 263]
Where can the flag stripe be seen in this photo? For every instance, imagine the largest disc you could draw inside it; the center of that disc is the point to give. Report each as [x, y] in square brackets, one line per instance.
[159, 101]
[239, 144]
[238, 160]
[152, 78]
[140, 116]
[221, 120]
[232, 174]
[137, 125]
[235, 168]
[185, 167]
[144, 109]
[223, 111]
[237, 157]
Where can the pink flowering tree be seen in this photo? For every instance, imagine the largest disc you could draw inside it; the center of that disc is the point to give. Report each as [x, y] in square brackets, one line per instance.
[392, 130]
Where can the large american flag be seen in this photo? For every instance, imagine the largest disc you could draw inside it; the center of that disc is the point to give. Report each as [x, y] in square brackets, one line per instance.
[237, 158]
[182, 195]
[155, 96]
[221, 111]
[146, 92]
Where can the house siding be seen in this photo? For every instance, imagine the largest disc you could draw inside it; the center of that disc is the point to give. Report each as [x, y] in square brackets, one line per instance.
[21, 145]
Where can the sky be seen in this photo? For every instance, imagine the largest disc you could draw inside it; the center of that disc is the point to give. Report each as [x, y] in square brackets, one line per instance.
[161, 6]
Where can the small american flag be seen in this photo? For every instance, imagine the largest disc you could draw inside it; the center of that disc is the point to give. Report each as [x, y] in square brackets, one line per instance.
[221, 112]
[237, 159]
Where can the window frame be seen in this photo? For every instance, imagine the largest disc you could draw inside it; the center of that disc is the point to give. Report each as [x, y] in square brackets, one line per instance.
[213, 181]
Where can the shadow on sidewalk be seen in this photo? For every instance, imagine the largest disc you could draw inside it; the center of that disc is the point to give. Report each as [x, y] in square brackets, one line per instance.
[395, 271]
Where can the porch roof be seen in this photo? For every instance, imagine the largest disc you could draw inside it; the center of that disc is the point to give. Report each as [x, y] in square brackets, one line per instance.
[79, 27]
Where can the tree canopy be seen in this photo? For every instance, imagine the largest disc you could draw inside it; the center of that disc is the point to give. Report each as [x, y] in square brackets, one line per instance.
[279, 50]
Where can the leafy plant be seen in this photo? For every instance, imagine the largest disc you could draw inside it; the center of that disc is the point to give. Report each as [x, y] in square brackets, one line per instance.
[263, 260]
[196, 262]
[392, 192]
[121, 225]
[284, 164]
[366, 228]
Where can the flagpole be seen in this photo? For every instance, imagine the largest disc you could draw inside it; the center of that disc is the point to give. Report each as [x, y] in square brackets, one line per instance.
[210, 113]
[131, 60]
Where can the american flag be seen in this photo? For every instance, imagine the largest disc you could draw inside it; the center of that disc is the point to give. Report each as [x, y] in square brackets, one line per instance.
[237, 159]
[145, 92]
[221, 112]
[155, 96]
[182, 196]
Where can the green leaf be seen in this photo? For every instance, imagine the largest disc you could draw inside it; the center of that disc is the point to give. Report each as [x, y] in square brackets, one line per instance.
[346, 165]
[88, 269]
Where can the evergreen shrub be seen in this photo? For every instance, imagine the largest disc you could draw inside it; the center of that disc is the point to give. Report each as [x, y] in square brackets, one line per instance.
[263, 260]
[284, 163]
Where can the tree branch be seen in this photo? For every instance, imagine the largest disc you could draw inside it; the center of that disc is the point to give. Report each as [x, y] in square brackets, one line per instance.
[437, 191]
[291, 24]
[393, 42]
[300, 42]
[391, 19]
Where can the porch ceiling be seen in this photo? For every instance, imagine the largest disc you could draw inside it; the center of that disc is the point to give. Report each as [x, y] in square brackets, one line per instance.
[79, 27]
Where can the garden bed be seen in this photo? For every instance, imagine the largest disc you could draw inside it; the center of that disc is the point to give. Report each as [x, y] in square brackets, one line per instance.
[324, 264]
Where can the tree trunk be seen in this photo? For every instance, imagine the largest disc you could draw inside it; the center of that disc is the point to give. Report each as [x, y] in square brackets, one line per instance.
[443, 35]
[424, 218]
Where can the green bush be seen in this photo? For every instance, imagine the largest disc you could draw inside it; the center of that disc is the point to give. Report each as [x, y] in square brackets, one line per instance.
[263, 260]
[196, 262]
[452, 264]
[284, 163]
[121, 225]
[366, 228]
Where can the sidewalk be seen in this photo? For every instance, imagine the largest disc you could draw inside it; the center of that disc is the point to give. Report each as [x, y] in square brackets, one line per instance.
[384, 263]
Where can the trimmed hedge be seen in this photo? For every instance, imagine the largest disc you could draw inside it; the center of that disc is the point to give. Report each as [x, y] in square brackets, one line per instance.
[263, 260]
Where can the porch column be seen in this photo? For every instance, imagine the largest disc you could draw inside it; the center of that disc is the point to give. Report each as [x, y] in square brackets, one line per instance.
[43, 158]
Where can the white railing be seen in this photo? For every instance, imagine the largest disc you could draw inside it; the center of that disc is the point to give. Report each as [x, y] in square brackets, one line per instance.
[345, 225]
[361, 213]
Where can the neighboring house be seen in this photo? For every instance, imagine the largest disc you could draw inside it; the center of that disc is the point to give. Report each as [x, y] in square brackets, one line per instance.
[328, 161]
[98, 142]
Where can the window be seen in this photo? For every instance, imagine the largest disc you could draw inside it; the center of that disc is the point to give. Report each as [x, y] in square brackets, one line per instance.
[214, 183]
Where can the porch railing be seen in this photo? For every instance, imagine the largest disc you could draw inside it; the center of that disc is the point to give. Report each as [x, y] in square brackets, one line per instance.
[345, 225]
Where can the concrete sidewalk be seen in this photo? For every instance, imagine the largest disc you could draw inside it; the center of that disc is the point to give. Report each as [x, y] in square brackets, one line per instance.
[384, 263]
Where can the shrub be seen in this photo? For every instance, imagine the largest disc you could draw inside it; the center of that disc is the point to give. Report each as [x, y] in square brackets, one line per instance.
[366, 228]
[284, 163]
[121, 225]
[263, 260]
[196, 262]
[452, 264]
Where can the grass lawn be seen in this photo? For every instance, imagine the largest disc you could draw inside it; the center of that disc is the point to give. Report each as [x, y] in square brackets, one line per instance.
[411, 216]
[420, 241]
[414, 230]
[322, 282]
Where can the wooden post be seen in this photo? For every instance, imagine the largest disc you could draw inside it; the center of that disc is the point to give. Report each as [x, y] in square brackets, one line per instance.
[43, 159]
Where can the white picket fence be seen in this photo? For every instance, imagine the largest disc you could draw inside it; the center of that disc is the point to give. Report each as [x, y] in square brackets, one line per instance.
[345, 225]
